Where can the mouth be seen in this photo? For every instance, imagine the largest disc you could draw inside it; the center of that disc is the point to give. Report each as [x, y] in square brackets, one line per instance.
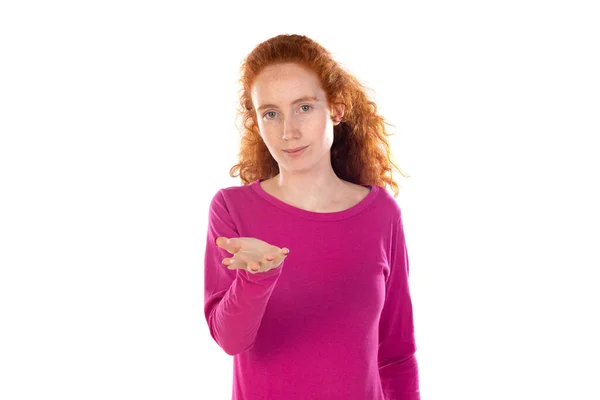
[295, 150]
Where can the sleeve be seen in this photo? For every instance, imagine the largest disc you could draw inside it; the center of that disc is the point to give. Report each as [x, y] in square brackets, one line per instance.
[234, 300]
[398, 366]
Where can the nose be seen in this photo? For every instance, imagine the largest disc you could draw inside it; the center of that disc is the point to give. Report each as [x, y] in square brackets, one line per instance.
[289, 130]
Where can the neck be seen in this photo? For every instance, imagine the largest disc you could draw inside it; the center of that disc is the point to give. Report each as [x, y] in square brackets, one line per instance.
[309, 191]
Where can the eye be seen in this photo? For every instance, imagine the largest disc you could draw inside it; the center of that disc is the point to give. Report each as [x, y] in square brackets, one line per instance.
[273, 112]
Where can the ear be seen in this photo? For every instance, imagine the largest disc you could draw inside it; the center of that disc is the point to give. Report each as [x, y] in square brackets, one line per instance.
[337, 112]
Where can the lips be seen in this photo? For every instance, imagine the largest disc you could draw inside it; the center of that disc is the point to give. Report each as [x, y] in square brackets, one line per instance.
[295, 149]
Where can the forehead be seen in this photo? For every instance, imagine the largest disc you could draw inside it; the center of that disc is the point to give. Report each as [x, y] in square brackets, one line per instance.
[285, 81]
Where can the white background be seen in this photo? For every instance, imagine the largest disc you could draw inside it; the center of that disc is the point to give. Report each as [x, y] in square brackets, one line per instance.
[117, 128]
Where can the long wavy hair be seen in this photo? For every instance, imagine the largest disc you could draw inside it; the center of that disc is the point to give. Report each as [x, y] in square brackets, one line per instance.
[360, 152]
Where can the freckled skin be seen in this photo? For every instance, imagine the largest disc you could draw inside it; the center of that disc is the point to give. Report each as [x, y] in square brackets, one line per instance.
[292, 110]
[309, 180]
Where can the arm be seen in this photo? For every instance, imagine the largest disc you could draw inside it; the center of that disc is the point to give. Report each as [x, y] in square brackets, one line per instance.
[398, 367]
[234, 300]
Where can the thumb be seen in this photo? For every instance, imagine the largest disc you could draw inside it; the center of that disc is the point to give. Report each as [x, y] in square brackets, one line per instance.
[232, 245]
[222, 242]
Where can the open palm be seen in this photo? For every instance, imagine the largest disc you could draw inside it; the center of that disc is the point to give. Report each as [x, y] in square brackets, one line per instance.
[251, 254]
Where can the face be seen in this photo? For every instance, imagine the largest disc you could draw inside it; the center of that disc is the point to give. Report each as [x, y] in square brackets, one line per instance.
[292, 111]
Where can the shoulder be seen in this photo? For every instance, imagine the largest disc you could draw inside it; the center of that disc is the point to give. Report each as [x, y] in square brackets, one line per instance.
[234, 198]
[231, 191]
[389, 203]
[385, 202]
[221, 197]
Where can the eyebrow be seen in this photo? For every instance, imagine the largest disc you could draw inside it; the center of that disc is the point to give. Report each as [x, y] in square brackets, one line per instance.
[301, 99]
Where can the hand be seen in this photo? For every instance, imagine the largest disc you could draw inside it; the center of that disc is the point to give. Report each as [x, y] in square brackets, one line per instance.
[251, 254]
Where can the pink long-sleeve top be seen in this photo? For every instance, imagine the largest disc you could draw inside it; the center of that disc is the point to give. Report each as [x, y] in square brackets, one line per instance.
[334, 320]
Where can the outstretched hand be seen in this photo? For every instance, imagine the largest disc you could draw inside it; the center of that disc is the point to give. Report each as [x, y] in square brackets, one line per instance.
[253, 255]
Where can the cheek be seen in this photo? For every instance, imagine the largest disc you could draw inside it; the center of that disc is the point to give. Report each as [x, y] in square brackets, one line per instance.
[311, 123]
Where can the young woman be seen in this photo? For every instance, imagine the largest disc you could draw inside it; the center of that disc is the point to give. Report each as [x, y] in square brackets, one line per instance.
[329, 316]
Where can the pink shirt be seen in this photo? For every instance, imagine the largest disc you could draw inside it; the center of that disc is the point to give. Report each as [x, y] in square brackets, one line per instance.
[334, 320]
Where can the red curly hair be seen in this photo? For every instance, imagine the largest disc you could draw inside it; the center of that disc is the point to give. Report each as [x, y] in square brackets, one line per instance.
[360, 152]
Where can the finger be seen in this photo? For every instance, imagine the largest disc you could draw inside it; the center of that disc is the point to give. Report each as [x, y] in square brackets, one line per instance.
[230, 264]
[285, 251]
[253, 265]
[233, 266]
[233, 245]
[222, 242]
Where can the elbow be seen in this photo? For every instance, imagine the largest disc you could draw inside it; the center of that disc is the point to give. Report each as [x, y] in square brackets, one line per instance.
[235, 350]
[231, 345]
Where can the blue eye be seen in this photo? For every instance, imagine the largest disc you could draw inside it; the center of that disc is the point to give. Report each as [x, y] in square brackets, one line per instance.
[273, 112]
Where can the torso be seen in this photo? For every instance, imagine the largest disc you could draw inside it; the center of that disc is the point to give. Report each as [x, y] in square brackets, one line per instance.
[348, 198]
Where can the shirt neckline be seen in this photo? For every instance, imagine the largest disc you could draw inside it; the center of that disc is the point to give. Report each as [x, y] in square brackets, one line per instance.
[316, 216]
